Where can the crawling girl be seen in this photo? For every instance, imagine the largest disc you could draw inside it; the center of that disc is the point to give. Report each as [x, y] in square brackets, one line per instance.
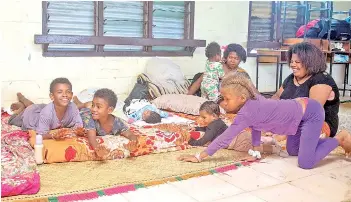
[300, 119]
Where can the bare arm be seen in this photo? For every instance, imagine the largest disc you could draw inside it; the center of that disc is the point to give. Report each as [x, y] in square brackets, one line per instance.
[129, 135]
[321, 93]
[277, 95]
[91, 134]
[196, 86]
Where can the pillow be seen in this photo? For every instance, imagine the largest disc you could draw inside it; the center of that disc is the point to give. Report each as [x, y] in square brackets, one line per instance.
[78, 148]
[188, 104]
[150, 140]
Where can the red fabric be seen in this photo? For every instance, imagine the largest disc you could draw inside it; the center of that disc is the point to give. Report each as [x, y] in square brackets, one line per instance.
[195, 135]
[300, 32]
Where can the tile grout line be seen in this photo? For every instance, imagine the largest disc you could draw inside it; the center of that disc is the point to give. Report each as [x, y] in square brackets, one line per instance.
[181, 190]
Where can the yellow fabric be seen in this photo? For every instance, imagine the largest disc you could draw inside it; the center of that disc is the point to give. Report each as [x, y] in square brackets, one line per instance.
[77, 149]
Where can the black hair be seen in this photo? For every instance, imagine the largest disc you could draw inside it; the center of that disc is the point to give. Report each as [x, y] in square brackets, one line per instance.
[212, 50]
[311, 57]
[211, 108]
[60, 80]
[153, 118]
[238, 49]
[108, 95]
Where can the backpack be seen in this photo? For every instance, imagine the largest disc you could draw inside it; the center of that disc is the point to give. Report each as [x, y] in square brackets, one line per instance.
[301, 31]
[340, 29]
[140, 91]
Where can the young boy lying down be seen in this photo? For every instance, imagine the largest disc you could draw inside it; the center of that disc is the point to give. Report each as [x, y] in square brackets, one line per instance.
[98, 121]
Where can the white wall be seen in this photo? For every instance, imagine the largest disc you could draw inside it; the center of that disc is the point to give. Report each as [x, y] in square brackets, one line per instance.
[22, 61]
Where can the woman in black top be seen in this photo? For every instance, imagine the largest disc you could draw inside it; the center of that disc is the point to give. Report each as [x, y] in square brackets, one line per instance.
[309, 79]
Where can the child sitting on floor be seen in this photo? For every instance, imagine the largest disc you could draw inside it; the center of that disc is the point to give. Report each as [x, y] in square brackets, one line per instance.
[60, 113]
[98, 121]
[144, 110]
[301, 119]
[213, 125]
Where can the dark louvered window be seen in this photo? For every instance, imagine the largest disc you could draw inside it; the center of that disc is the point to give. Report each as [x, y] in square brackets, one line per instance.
[70, 18]
[118, 28]
[270, 21]
[262, 22]
[123, 19]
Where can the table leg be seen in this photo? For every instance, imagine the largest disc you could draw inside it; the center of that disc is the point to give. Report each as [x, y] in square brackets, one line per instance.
[277, 75]
[331, 65]
[257, 61]
[346, 77]
[281, 75]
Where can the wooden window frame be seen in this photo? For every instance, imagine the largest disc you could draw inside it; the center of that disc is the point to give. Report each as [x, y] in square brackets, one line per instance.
[274, 43]
[276, 16]
[189, 43]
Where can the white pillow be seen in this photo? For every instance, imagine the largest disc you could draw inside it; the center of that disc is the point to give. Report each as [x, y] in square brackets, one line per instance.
[188, 104]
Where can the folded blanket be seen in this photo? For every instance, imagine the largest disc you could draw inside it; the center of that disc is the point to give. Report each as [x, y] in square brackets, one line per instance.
[19, 172]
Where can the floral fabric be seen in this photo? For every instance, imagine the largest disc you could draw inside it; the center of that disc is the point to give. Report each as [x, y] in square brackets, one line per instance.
[210, 83]
[150, 140]
[19, 173]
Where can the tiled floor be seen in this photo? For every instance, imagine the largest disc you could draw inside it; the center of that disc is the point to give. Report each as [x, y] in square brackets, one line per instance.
[275, 179]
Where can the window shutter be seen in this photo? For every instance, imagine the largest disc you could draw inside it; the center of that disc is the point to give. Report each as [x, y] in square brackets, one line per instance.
[261, 25]
[123, 19]
[168, 22]
[294, 19]
[70, 18]
[316, 14]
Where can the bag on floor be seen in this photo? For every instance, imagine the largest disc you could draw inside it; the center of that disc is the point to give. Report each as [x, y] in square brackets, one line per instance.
[140, 91]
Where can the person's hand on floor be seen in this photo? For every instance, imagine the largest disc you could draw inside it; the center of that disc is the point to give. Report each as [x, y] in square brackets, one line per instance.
[188, 158]
[80, 132]
[62, 134]
[102, 151]
[132, 145]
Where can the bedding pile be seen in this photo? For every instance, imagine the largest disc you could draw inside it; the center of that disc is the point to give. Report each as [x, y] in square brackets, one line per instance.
[19, 172]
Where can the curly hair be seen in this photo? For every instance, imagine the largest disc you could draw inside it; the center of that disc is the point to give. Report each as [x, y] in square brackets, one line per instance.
[210, 107]
[154, 117]
[60, 80]
[212, 50]
[239, 84]
[311, 57]
[238, 49]
[108, 95]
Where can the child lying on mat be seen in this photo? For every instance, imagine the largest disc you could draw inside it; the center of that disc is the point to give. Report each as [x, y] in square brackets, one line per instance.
[214, 127]
[98, 120]
[60, 113]
[145, 111]
[301, 119]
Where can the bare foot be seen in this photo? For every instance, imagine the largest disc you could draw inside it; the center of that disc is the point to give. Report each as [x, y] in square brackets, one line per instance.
[76, 101]
[88, 104]
[17, 107]
[80, 104]
[24, 100]
[344, 139]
